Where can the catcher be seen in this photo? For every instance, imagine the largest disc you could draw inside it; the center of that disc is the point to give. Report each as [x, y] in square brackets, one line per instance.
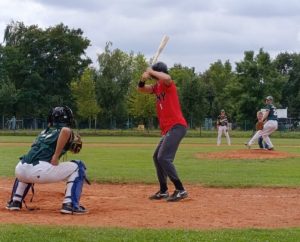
[41, 163]
[259, 127]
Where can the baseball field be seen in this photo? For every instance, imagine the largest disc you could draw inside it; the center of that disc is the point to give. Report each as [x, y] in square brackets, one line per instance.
[235, 194]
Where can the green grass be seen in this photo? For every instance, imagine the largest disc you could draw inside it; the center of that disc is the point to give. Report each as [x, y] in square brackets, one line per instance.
[29, 233]
[152, 133]
[108, 161]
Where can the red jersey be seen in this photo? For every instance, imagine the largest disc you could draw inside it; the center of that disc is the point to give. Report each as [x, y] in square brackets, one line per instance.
[167, 106]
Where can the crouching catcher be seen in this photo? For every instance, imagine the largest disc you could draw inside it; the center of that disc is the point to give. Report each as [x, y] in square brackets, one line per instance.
[41, 163]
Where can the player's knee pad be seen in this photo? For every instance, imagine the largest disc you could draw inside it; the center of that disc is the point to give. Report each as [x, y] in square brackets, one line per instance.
[20, 193]
[78, 183]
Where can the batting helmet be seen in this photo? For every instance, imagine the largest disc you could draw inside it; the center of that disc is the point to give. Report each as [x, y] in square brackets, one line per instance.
[161, 67]
[269, 98]
[61, 116]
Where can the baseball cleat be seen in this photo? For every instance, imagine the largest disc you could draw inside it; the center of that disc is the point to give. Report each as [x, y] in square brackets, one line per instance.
[14, 205]
[247, 146]
[159, 195]
[67, 208]
[272, 148]
[177, 195]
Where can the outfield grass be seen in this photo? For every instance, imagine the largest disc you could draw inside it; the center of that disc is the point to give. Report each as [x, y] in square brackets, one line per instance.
[153, 133]
[108, 160]
[64, 234]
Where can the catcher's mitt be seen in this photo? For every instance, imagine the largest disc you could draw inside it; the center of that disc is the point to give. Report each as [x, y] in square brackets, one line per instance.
[75, 144]
[259, 125]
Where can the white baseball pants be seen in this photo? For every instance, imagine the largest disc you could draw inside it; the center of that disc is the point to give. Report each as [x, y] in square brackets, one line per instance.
[222, 129]
[44, 172]
[269, 127]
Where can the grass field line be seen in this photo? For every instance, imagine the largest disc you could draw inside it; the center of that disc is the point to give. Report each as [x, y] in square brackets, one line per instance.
[22, 144]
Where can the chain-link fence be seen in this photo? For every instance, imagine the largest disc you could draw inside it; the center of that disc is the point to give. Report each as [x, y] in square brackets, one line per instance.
[287, 124]
[15, 123]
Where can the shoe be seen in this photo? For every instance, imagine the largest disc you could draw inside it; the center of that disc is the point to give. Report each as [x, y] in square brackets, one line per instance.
[14, 205]
[177, 195]
[247, 146]
[159, 195]
[67, 208]
[270, 148]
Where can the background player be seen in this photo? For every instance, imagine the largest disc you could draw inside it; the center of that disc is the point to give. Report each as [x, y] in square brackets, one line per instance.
[271, 124]
[222, 123]
[41, 163]
[173, 129]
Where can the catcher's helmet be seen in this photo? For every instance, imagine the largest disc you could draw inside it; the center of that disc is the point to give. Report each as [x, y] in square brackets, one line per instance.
[161, 67]
[269, 98]
[62, 116]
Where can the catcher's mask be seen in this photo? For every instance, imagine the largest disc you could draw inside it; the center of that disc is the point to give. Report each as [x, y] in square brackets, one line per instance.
[61, 116]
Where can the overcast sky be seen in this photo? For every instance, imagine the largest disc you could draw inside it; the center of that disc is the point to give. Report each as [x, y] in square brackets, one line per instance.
[201, 31]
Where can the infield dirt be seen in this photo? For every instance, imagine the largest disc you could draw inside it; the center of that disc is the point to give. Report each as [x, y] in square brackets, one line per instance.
[127, 205]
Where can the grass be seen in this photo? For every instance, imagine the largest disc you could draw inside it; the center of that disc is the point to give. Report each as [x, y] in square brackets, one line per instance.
[153, 133]
[108, 160]
[28, 233]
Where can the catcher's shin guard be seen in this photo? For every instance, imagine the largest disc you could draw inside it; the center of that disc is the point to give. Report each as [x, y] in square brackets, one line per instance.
[22, 191]
[78, 183]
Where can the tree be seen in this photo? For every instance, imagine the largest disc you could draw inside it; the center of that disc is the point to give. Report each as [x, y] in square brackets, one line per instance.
[289, 67]
[191, 93]
[112, 83]
[84, 93]
[216, 78]
[256, 78]
[42, 64]
[8, 93]
[140, 106]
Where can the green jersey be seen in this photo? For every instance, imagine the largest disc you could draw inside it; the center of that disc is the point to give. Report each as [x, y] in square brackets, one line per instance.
[43, 147]
[272, 112]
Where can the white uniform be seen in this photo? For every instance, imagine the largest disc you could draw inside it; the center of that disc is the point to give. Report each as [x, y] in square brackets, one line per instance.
[222, 127]
[44, 172]
[269, 127]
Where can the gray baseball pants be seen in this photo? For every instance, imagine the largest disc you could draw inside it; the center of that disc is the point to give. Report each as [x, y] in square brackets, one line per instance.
[164, 155]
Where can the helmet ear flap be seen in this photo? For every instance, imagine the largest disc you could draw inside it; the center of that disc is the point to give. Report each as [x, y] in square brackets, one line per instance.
[70, 116]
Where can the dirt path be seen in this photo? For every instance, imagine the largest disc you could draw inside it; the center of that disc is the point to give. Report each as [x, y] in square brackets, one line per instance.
[128, 206]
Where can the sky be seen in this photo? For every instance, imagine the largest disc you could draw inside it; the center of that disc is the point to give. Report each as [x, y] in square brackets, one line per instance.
[201, 32]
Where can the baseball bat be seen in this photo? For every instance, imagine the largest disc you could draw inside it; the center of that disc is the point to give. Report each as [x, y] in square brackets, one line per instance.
[162, 45]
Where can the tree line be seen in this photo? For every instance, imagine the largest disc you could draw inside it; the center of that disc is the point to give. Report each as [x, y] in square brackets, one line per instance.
[42, 68]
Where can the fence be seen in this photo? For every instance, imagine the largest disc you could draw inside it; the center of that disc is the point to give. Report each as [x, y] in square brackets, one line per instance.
[9, 123]
[12, 123]
[287, 124]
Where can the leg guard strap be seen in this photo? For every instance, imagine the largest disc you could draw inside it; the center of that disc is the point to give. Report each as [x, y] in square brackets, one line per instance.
[25, 191]
[78, 183]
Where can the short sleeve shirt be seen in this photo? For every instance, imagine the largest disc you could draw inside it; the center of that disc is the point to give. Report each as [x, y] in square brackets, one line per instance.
[168, 106]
